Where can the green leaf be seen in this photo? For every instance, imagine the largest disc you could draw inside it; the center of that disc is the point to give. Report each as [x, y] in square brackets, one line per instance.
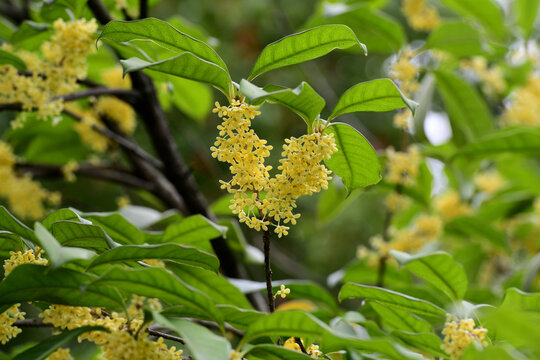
[487, 12]
[458, 38]
[375, 95]
[59, 255]
[185, 65]
[525, 13]
[429, 343]
[390, 298]
[46, 347]
[61, 215]
[70, 233]
[10, 223]
[117, 227]
[522, 140]
[192, 98]
[491, 352]
[356, 161]
[401, 320]
[7, 58]
[439, 269]
[159, 283]
[303, 100]
[379, 32]
[30, 35]
[31, 282]
[476, 227]
[468, 112]
[163, 34]
[202, 343]
[214, 285]
[274, 352]
[10, 241]
[6, 29]
[181, 253]
[304, 46]
[239, 318]
[515, 299]
[196, 231]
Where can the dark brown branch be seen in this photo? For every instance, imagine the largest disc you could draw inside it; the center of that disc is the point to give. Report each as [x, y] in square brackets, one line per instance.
[13, 12]
[165, 335]
[86, 82]
[129, 96]
[119, 176]
[100, 11]
[268, 271]
[143, 9]
[301, 344]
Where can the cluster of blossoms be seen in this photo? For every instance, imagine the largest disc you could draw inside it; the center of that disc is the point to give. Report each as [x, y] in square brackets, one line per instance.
[127, 338]
[420, 16]
[524, 109]
[489, 181]
[283, 292]
[402, 167]
[312, 350]
[405, 73]
[60, 354]
[450, 205]
[492, 78]
[24, 195]
[12, 314]
[259, 200]
[458, 334]
[63, 63]
[426, 228]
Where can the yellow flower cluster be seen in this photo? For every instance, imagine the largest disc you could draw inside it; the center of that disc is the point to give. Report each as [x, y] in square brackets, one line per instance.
[126, 341]
[419, 16]
[491, 77]
[24, 195]
[403, 119]
[63, 63]
[312, 350]
[68, 170]
[117, 111]
[12, 314]
[489, 181]
[60, 354]
[396, 202]
[405, 72]
[458, 334]
[259, 199]
[402, 167]
[283, 292]
[449, 205]
[525, 106]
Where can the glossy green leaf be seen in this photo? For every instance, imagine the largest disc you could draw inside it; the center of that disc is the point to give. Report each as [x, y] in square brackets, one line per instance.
[58, 254]
[30, 282]
[117, 227]
[46, 347]
[356, 161]
[275, 352]
[390, 298]
[476, 227]
[515, 299]
[70, 233]
[181, 253]
[239, 318]
[62, 215]
[492, 352]
[439, 269]
[525, 13]
[6, 29]
[7, 58]
[158, 283]
[486, 12]
[10, 223]
[379, 32]
[375, 95]
[31, 34]
[304, 46]
[468, 112]
[214, 285]
[303, 100]
[400, 319]
[162, 33]
[202, 343]
[458, 38]
[522, 140]
[10, 241]
[196, 231]
[185, 65]
[427, 342]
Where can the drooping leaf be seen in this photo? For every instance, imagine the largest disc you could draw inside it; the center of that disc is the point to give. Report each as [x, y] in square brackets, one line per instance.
[303, 100]
[7, 58]
[515, 299]
[375, 95]
[58, 254]
[10, 223]
[162, 33]
[400, 319]
[468, 112]
[202, 343]
[356, 161]
[458, 38]
[486, 12]
[10, 241]
[181, 253]
[31, 282]
[46, 347]
[390, 298]
[62, 215]
[159, 283]
[117, 227]
[195, 231]
[239, 318]
[304, 46]
[185, 65]
[71, 233]
[439, 269]
[428, 342]
[525, 13]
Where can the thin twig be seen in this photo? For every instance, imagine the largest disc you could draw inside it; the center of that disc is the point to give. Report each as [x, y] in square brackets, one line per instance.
[268, 271]
[165, 335]
[301, 344]
[386, 238]
[129, 96]
[143, 9]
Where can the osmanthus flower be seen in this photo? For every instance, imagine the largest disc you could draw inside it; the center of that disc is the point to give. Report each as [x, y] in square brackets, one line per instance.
[402, 167]
[419, 15]
[450, 205]
[489, 181]
[12, 314]
[460, 333]
[260, 200]
[312, 350]
[60, 354]
[524, 105]
[492, 77]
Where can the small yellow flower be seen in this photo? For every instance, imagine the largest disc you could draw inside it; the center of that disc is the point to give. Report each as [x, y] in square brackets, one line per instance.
[419, 16]
[283, 292]
[449, 205]
[458, 334]
[69, 170]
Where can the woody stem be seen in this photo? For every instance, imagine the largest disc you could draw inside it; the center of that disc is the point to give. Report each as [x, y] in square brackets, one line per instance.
[268, 271]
